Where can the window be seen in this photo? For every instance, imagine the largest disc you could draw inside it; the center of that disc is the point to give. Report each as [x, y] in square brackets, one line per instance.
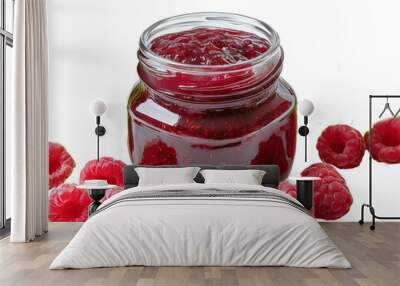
[6, 43]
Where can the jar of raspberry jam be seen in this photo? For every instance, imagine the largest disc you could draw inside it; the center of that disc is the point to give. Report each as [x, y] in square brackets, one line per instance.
[210, 92]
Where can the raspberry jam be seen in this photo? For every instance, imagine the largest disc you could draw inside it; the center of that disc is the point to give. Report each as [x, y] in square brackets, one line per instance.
[211, 93]
[206, 46]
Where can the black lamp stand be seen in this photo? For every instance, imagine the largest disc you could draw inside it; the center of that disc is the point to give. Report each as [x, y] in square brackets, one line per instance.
[96, 195]
[100, 131]
[304, 131]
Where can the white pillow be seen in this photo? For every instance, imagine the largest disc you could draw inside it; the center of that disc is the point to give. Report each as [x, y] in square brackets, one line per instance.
[162, 176]
[248, 177]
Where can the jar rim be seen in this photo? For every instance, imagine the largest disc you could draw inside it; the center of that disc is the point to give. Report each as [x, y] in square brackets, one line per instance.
[146, 54]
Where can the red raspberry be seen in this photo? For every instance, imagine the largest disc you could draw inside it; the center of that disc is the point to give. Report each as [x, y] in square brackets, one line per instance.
[332, 198]
[321, 170]
[157, 152]
[288, 188]
[61, 164]
[67, 203]
[105, 169]
[341, 145]
[385, 141]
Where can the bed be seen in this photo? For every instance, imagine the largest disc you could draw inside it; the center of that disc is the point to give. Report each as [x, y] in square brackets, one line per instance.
[198, 224]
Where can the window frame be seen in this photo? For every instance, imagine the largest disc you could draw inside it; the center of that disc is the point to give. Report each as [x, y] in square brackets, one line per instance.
[6, 39]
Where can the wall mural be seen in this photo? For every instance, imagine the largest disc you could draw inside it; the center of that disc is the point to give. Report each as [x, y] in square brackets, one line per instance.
[215, 96]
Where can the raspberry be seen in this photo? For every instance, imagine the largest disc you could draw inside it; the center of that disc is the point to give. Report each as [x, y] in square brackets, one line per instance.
[105, 169]
[332, 198]
[61, 164]
[288, 188]
[205, 46]
[67, 203]
[385, 141]
[157, 152]
[341, 145]
[321, 170]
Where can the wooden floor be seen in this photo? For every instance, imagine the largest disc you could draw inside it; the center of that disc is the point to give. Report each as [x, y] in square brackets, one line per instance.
[375, 257]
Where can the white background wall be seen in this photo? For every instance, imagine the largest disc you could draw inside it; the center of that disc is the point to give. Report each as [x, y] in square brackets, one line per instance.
[336, 53]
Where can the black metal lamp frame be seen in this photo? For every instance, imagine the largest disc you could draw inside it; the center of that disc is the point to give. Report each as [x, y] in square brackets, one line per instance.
[370, 203]
[96, 195]
[100, 131]
[304, 131]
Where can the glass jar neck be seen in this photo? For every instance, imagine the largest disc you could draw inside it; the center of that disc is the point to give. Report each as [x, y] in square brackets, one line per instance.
[222, 97]
[248, 80]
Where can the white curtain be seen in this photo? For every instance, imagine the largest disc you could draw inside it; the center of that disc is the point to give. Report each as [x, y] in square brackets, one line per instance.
[28, 159]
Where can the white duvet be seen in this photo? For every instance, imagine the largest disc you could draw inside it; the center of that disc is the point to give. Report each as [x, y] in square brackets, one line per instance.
[200, 231]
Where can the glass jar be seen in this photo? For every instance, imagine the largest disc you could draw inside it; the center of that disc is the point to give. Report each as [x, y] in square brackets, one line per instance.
[241, 113]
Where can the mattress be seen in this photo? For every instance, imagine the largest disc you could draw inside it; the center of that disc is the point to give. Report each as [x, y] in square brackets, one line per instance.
[201, 225]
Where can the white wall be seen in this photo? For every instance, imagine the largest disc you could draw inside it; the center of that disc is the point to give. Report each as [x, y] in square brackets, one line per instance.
[336, 53]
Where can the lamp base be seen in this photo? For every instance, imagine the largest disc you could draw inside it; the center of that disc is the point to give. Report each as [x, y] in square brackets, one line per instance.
[305, 193]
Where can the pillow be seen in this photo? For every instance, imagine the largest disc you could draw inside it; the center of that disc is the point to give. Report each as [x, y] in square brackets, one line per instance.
[248, 177]
[162, 176]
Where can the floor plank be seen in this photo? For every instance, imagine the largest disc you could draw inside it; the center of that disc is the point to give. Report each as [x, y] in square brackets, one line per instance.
[375, 257]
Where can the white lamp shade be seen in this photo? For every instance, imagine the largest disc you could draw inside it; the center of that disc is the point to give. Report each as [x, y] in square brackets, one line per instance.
[97, 107]
[306, 107]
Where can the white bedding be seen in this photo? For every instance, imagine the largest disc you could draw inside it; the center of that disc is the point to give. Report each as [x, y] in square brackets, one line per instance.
[185, 231]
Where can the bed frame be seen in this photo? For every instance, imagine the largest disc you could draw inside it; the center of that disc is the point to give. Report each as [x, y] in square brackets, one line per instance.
[271, 177]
